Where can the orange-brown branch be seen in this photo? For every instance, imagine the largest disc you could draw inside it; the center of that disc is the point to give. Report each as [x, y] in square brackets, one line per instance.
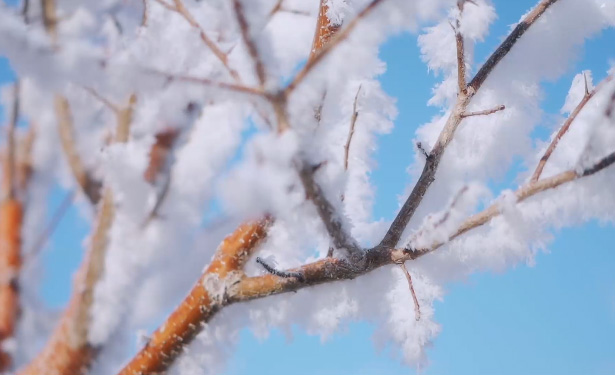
[325, 29]
[205, 298]
[11, 217]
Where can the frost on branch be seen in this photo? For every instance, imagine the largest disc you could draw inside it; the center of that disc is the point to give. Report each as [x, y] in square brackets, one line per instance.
[267, 113]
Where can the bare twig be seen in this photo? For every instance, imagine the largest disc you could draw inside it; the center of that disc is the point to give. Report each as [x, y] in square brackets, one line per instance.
[57, 217]
[276, 272]
[90, 186]
[428, 174]
[259, 67]
[486, 112]
[207, 82]
[353, 121]
[179, 7]
[417, 307]
[102, 99]
[573, 115]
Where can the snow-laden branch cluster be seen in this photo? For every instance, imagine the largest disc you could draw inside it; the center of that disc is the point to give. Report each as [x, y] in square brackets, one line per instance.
[265, 114]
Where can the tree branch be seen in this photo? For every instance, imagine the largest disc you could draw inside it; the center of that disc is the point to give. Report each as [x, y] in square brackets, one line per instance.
[90, 186]
[463, 99]
[560, 134]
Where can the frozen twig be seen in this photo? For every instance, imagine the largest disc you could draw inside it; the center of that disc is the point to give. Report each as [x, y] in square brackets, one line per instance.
[560, 134]
[170, 77]
[259, 66]
[90, 186]
[330, 218]
[353, 121]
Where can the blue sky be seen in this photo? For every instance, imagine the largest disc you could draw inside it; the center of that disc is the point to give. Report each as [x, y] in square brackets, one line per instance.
[557, 317]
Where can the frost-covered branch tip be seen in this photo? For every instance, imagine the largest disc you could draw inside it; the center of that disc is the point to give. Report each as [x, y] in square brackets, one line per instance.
[329, 46]
[464, 98]
[179, 7]
[485, 112]
[566, 125]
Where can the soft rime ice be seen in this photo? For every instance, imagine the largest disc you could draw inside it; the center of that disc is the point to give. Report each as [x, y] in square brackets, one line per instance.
[228, 154]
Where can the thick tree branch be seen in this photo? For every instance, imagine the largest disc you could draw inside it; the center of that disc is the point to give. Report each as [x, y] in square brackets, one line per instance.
[560, 134]
[208, 295]
[200, 306]
[463, 99]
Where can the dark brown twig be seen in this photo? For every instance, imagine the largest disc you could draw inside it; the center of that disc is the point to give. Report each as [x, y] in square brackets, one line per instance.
[279, 273]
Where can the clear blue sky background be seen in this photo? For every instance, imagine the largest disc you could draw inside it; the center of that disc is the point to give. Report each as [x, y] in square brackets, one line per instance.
[556, 318]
